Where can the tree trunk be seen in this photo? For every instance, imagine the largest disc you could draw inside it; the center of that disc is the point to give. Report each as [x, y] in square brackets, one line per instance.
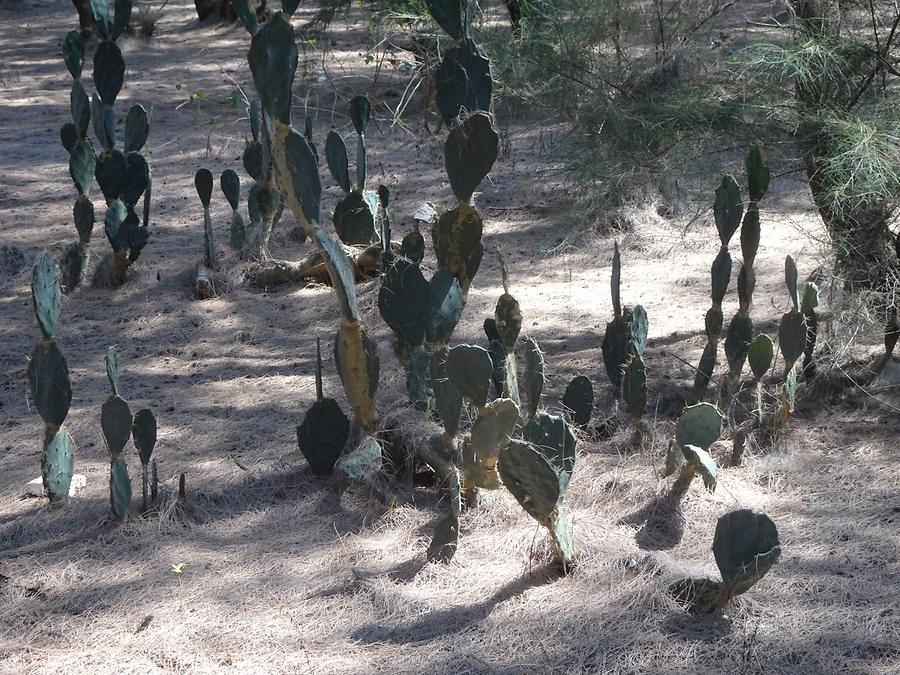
[85, 15]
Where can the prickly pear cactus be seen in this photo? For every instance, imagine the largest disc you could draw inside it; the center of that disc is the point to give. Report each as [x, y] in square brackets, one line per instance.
[325, 429]
[48, 381]
[808, 303]
[143, 435]
[746, 547]
[578, 401]
[230, 184]
[792, 330]
[617, 343]
[534, 375]
[203, 181]
[634, 375]
[698, 427]
[117, 423]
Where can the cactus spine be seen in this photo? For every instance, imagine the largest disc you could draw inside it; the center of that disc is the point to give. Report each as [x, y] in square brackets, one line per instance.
[48, 380]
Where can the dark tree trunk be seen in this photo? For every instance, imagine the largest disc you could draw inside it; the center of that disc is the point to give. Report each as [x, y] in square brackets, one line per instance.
[85, 15]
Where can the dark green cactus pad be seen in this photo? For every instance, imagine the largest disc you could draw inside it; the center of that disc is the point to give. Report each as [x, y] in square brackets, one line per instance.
[203, 181]
[137, 128]
[246, 15]
[237, 232]
[634, 387]
[745, 546]
[82, 166]
[578, 400]
[674, 459]
[46, 296]
[712, 322]
[336, 158]
[267, 201]
[699, 425]
[68, 135]
[119, 488]
[702, 463]
[728, 208]
[363, 462]
[450, 15]
[790, 280]
[448, 400]
[463, 81]
[116, 422]
[498, 355]
[360, 113]
[616, 347]
[354, 221]
[413, 246]
[57, 465]
[705, 368]
[534, 375]
[469, 368]
[760, 355]
[456, 237]
[109, 72]
[737, 341]
[100, 9]
[341, 272]
[361, 166]
[792, 337]
[404, 301]
[508, 319]
[308, 133]
[137, 177]
[136, 236]
[758, 173]
[48, 379]
[491, 432]
[252, 160]
[531, 478]
[111, 171]
[445, 540]
[639, 327]
[80, 107]
[143, 433]
[230, 184]
[554, 439]
[123, 15]
[750, 231]
[290, 6]
[83, 214]
[447, 304]
[73, 53]
[700, 595]
[418, 379]
[273, 62]
[721, 276]
[615, 281]
[303, 168]
[469, 154]
[104, 123]
[322, 435]
[746, 286]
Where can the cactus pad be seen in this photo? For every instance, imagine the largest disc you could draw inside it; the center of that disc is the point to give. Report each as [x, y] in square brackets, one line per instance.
[750, 231]
[699, 425]
[246, 15]
[809, 299]
[445, 540]
[336, 158]
[360, 113]
[46, 296]
[639, 327]
[701, 462]
[137, 128]
[111, 173]
[616, 347]
[418, 379]
[728, 208]
[230, 183]
[354, 220]
[456, 237]
[104, 124]
[532, 479]
[57, 464]
[760, 355]
[404, 301]
[721, 276]
[552, 437]
[273, 62]
[116, 422]
[463, 81]
[143, 434]
[450, 15]
[363, 462]
[73, 53]
[203, 181]
[469, 153]
[413, 246]
[579, 400]
[109, 72]
[80, 105]
[737, 341]
[341, 272]
[119, 488]
[82, 166]
[534, 375]
[758, 173]
[68, 136]
[48, 379]
[490, 434]
[792, 337]
[790, 280]
[322, 435]
[447, 304]
[508, 319]
[303, 168]
[448, 400]
[746, 547]
[634, 387]
[469, 369]
[290, 6]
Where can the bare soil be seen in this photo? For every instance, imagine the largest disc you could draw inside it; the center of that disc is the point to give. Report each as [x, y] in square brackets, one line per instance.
[284, 572]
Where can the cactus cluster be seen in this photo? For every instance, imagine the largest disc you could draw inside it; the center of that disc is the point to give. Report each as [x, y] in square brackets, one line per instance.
[122, 174]
[48, 380]
[746, 547]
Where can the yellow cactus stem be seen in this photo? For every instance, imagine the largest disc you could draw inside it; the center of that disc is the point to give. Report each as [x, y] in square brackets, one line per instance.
[352, 368]
[282, 175]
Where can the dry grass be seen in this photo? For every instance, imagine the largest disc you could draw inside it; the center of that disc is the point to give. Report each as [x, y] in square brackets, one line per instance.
[284, 572]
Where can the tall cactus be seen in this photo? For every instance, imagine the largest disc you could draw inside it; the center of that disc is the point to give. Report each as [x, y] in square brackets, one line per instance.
[117, 424]
[634, 374]
[48, 380]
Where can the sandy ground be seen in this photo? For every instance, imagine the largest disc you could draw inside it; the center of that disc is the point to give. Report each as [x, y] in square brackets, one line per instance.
[284, 572]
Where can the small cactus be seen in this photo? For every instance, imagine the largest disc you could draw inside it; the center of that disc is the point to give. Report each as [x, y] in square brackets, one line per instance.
[698, 427]
[143, 435]
[117, 423]
[325, 429]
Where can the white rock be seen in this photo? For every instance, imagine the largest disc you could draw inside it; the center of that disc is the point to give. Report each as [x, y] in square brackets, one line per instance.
[35, 488]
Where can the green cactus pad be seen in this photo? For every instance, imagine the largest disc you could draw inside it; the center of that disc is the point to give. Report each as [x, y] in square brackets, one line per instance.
[119, 488]
[448, 400]
[83, 215]
[469, 368]
[336, 158]
[290, 6]
[354, 221]
[230, 183]
[639, 327]
[445, 540]
[273, 62]
[699, 425]
[469, 153]
[341, 272]
[73, 53]
[534, 375]
[792, 337]
[252, 159]
[48, 379]
[746, 285]
[322, 435]
[112, 369]
[237, 231]
[104, 124]
[634, 387]
[492, 430]
[554, 439]
[721, 276]
[450, 15]
[578, 400]
[737, 341]
[371, 362]
[109, 72]
[674, 459]
[203, 182]
[363, 462]
[508, 319]
[404, 300]
[68, 135]
[303, 168]
[360, 113]
[137, 177]
[143, 434]
[531, 479]
[413, 246]
[82, 166]
[447, 304]
[702, 463]
[137, 128]
[111, 172]
[123, 15]
[246, 15]
[57, 464]
[760, 355]
[563, 538]
[116, 422]
[809, 299]
[790, 280]
[46, 296]
[758, 173]
[456, 237]
[463, 81]
[80, 107]
[728, 208]
[713, 323]
[615, 347]
[750, 230]
[746, 547]
[100, 10]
